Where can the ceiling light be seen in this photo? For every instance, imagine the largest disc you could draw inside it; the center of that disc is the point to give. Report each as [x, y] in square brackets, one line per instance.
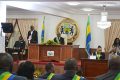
[87, 9]
[108, 3]
[73, 3]
[103, 23]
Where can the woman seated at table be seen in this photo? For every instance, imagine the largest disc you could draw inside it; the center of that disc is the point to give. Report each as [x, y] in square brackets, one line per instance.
[99, 54]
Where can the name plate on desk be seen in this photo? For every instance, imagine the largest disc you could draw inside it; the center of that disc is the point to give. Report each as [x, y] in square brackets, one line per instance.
[50, 53]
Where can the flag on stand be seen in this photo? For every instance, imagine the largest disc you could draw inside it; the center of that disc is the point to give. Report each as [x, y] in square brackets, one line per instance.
[88, 36]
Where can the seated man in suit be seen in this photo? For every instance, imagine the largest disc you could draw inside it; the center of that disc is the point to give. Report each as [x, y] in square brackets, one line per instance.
[114, 70]
[6, 64]
[49, 72]
[70, 68]
[19, 46]
[99, 54]
[59, 39]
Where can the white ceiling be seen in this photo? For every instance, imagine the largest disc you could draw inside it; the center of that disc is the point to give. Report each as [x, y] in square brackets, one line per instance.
[61, 8]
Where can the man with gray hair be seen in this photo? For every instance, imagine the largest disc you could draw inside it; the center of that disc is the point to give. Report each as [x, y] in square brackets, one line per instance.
[6, 64]
[114, 70]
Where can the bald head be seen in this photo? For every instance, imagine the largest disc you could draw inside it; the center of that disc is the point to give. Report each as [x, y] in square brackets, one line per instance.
[6, 61]
[114, 63]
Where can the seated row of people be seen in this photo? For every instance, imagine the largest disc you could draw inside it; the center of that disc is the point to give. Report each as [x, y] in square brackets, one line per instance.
[71, 72]
[26, 70]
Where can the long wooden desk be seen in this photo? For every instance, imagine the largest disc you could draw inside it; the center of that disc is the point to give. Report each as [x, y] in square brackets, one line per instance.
[61, 52]
[93, 68]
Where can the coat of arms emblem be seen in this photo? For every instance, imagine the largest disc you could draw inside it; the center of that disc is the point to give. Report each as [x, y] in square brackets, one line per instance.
[70, 28]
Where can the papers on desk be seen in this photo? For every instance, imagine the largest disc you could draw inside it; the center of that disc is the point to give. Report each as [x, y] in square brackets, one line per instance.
[50, 53]
[92, 57]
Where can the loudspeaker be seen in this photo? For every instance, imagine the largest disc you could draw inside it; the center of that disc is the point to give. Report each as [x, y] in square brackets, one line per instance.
[7, 27]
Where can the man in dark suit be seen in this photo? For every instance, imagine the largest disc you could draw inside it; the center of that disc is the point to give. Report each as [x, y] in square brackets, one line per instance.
[70, 68]
[32, 35]
[114, 70]
[6, 63]
[59, 39]
[19, 46]
[99, 54]
[49, 72]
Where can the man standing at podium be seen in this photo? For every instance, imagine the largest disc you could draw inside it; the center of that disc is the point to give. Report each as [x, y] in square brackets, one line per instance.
[32, 35]
[59, 39]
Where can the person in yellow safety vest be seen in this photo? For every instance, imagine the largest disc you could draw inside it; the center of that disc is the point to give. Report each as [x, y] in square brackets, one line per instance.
[6, 63]
[79, 72]
[49, 67]
[117, 77]
[70, 68]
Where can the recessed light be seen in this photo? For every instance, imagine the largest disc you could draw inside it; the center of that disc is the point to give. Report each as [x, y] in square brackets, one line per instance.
[87, 9]
[73, 3]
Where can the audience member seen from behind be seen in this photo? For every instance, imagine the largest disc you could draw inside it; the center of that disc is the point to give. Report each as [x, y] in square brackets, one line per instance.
[49, 72]
[99, 54]
[6, 64]
[114, 70]
[26, 69]
[70, 68]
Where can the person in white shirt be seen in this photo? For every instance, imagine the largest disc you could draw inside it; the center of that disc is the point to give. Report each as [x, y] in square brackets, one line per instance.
[32, 35]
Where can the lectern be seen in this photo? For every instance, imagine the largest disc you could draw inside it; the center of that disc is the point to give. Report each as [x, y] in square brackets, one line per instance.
[38, 52]
[93, 68]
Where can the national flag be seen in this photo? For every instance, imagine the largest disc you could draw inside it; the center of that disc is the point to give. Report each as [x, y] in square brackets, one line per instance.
[43, 31]
[88, 36]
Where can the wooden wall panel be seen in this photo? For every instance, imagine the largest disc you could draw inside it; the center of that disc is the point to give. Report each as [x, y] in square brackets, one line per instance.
[33, 52]
[61, 52]
[93, 68]
[43, 53]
